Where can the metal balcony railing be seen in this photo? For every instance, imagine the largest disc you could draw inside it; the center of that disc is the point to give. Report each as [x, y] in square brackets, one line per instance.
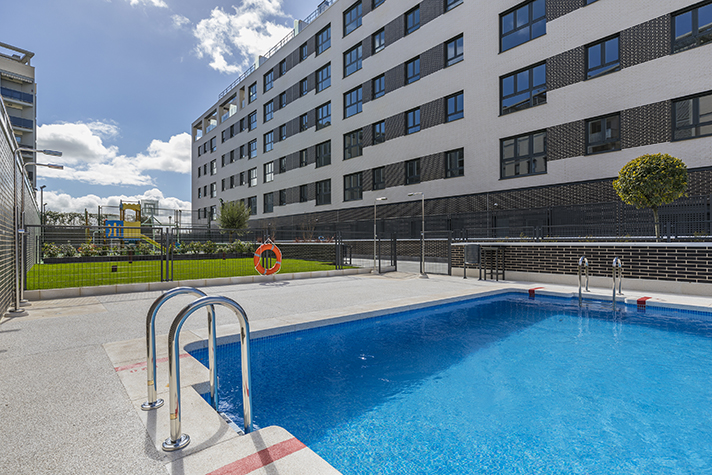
[20, 122]
[17, 95]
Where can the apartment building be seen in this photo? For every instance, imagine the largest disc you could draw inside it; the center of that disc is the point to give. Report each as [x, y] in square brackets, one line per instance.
[476, 104]
[18, 90]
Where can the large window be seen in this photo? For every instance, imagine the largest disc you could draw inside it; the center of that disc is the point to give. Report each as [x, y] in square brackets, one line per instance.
[352, 60]
[268, 169]
[268, 111]
[323, 116]
[323, 78]
[692, 28]
[283, 100]
[378, 86]
[353, 190]
[283, 67]
[412, 70]
[323, 40]
[303, 52]
[353, 144]
[252, 177]
[303, 122]
[268, 80]
[379, 132]
[603, 134]
[379, 178]
[303, 193]
[455, 107]
[252, 121]
[412, 20]
[692, 117]
[252, 145]
[323, 154]
[454, 163]
[454, 52]
[243, 151]
[282, 197]
[378, 41]
[268, 141]
[524, 23]
[304, 87]
[303, 158]
[524, 89]
[252, 204]
[252, 93]
[412, 121]
[323, 192]
[283, 132]
[523, 155]
[352, 18]
[353, 102]
[602, 58]
[283, 165]
[412, 171]
[213, 167]
[268, 203]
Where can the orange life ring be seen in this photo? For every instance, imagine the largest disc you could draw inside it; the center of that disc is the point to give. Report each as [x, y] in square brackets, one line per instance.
[258, 257]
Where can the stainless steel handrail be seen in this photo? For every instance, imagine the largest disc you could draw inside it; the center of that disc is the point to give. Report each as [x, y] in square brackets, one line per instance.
[582, 262]
[617, 276]
[177, 440]
[153, 402]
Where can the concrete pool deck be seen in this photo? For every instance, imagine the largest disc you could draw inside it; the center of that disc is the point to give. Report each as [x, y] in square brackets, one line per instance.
[73, 372]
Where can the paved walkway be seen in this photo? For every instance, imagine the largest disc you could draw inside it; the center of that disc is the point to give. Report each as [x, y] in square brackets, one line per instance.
[66, 409]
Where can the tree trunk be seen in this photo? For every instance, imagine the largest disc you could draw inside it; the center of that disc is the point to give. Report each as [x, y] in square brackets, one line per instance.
[657, 224]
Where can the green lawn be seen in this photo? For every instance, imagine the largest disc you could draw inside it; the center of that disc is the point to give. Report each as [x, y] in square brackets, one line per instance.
[87, 274]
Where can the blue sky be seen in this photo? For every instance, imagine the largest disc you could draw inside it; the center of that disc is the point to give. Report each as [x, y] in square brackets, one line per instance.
[119, 83]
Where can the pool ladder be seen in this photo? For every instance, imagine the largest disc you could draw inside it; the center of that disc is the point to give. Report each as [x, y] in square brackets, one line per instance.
[583, 262]
[617, 279]
[177, 440]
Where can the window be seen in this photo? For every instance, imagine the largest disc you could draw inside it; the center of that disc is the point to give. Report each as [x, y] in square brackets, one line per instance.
[352, 18]
[213, 212]
[412, 171]
[323, 116]
[242, 124]
[412, 70]
[353, 189]
[213, 167]
[303, 52]
[303, 122]
[252, 121]
[454, 51]
[323, 192]
[303, 193]
[412, 20]
[602, 58]
[450, 4]
[379, 178]
[268, 141]
[252, 204]
[352, 102]
[377, 3]
[323, 154]
[252, 145]
[323, 40]
[304, 87]
[283, 100]
[200, 169]
[692, 28]
[242, 179]
[268, 203]
[252, 93]
[213, 144]
[223, 161]
[378, 86]
[352, 60]
[224, 134]
[243, 151]
[379, 132]
[222, 186]
[213, 190]
[454, 107]
[283, 132]
[303, 158]
[323, 78]
[282, 197]
[200, 192]
[353, 144]
[283, 165]
[205, 191]
[269, 80]
[588, 2]
[283, 67]
[522, 24]
[454, 163]
[252, 177]
[692, 117]
[378, 40]
[232, 181]
[205, 169]
[603, 134]
[523, 155]
[412, 121]
[524, 89]
[268, 110]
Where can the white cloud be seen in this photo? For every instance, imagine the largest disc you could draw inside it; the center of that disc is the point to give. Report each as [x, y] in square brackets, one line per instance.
[155, 3]
[248, 32]
[179, 21]
[86, 158]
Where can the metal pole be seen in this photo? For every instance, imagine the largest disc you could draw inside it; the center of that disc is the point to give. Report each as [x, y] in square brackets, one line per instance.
[375, 202]
[422, 236]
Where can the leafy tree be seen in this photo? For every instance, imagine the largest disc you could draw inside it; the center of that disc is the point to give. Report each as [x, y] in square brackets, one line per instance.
[233, 216]
[650, 181]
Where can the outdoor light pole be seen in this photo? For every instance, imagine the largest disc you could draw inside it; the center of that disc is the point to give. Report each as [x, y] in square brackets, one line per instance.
[423, 275]
[375, 202]
[42, 204]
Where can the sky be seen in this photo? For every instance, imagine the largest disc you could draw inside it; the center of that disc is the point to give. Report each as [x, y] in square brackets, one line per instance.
[119, 83]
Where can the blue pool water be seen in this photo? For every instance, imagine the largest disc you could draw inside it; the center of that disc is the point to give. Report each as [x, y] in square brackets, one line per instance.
[494, 385]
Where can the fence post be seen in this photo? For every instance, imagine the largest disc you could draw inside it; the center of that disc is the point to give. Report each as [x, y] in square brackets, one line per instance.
[449, 253]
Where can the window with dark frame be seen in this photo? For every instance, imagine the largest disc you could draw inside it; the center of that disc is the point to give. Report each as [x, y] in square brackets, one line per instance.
[588, 2]
[252, 93]
[379, 178]
[412, 70]
[523, 89]
[412, 121]
[232, 181]
[376, 4]
[243, 151]
[378, 86]
[303, 193]
[213, 144]
[268, 111]
[282, 197]
[353, 189]
[412, 20]
[692, 117]
[352, 18]
[353, 144]
[242, 179]
[524, 23]
[303, 87]
[353, 102]
[378, 41]
[268, 172]
[603, 134]
[242, 124]
[283, 100]
[454, 52]
[283, 132]
[523, 155]
[692, 28]
[252, 177]
[303, 122]
[268, 141]
[323, 116]
[303, 158]
[283, 165]
[323, 78]
[252, 121]
[454, 107]
[268, 203]
[252, 204]
[303, 52]
[323, 154]
[200, 192]
[323, 40]
[252, 145]
[213, 167]
[379, 132]
[352, 60]
[602, 58]
[323, 192]
[223, 184]
[455, 163]
[283, 67]
[412, 171]
[450, 4]
[268, 80]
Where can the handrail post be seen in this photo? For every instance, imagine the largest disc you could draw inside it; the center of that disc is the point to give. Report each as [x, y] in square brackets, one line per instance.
[617, 274]
[582, 262]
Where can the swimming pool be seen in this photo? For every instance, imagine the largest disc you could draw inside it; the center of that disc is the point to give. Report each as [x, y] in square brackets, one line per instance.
[499, 384]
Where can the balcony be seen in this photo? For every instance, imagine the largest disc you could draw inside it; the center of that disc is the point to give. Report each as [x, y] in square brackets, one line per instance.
[21, 123]
[17, 95]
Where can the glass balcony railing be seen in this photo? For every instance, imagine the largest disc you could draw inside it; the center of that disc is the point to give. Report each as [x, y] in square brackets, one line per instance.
[17, 95]
[20, 122]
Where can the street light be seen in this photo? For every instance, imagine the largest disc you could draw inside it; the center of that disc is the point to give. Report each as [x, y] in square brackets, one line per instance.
[375, 202]
[423, 275]
[42, 204]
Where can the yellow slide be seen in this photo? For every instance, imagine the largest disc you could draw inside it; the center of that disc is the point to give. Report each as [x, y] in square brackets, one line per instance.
[152, 242]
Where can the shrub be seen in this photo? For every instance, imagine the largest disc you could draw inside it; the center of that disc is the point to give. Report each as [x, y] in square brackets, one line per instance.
[50, 249]
[68, 250]
[88, 249]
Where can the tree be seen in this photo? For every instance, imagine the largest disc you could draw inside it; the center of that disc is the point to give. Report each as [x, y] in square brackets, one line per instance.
[650, 181]
[233, 215]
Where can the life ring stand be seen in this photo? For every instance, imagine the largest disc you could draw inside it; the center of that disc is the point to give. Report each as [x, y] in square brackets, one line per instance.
[268, 246]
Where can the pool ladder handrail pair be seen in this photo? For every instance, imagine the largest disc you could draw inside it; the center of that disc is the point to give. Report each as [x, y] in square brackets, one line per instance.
[177, 440]
[617, 278]
[583, 262]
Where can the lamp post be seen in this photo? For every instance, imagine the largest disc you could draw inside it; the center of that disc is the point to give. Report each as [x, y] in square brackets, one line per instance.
[375, 202]
[42, 204]
[423, 275]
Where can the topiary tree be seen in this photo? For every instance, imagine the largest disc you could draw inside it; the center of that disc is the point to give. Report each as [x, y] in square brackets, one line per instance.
[233, 215]
[650, 181]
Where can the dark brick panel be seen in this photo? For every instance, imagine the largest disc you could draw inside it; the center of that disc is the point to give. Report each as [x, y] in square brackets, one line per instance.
[311, 82]
[566, 140]
[645, 42]
[432, 113]
[432, 60]
[430, 9]
[558, 8]
[311, 116]
[646, 125]
[293, 195]
[311, 155]
[367, 136]
[395, 175]
[292, 161]
[311, 194]
[311, 45]
[366, 88]
[367, 180]
[394, 30]
[432, 167]
[366, 48]
[366, 7]
[395, 126]
[565, 68]
[395, 78]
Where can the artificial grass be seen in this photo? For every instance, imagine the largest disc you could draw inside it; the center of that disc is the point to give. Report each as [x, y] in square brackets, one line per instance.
[89, 274]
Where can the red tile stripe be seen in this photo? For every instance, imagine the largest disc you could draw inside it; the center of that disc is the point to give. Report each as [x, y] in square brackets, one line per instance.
[641, 301]
[260, 459]
[143, 364]
[532, 292]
